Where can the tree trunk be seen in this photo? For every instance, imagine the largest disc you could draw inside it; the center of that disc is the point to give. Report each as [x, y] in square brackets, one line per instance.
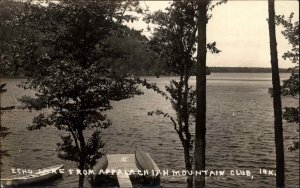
[189, 181]
[82, 158]
[188, 164]
[200, 143]
[276, 99]
[81, 179]
[187, 142]
[0, 110]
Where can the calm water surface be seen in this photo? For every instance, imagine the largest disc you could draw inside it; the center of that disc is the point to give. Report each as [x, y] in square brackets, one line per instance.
[239, 133]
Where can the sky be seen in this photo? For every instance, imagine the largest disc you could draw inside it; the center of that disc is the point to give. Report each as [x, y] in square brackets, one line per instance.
[240, 30]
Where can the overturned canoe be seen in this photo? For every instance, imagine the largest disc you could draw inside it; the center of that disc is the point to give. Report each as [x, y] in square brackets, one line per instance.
[101, 165]
[37, 176]
[144, 161]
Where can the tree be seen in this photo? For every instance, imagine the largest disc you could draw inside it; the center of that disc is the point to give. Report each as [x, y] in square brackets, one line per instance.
[276, 98]
[64, 49]
[174, 40]
[290, 86]
[4, 131]
[8, 11]
[200, 140]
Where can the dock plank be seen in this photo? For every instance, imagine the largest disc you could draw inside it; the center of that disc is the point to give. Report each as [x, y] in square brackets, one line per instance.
[124, 162]
[124, 181]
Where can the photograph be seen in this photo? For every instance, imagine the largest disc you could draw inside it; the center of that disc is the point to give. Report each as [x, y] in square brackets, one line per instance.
[149, 93]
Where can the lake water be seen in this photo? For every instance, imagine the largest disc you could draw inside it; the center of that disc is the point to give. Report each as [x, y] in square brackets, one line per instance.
[243, 141]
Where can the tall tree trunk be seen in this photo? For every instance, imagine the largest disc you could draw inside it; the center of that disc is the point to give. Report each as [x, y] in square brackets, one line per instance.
[81, 179]
[82, 158]
[200, 143]
[276, 99]
[0, 109]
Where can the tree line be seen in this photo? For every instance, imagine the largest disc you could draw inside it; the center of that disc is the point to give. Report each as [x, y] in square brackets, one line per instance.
[245, 70]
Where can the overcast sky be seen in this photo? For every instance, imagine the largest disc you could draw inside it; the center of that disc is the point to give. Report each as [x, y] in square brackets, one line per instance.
[241, 32]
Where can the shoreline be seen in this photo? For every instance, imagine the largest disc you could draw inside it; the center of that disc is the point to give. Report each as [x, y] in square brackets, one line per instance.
[162, 75]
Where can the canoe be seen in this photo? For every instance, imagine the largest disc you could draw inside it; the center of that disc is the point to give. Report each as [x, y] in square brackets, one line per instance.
[37, 176]
[144, 161]
[101, 164]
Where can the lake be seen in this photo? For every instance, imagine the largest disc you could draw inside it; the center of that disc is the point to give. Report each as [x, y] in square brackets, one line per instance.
[239, 133]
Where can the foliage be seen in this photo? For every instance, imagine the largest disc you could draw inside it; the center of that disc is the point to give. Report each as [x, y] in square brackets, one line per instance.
[290, 86]
[64, 49]
[291, 33]
[8, 12]
[4, 131]
[139, 60]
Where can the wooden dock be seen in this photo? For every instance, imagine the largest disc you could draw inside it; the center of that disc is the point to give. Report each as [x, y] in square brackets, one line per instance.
[122, 162]
[122, 170]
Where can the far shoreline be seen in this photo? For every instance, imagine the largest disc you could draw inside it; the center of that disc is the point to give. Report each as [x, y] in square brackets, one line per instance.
[212, 70]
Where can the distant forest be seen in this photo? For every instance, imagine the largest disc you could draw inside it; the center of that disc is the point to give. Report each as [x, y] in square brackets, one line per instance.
[244, 69]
